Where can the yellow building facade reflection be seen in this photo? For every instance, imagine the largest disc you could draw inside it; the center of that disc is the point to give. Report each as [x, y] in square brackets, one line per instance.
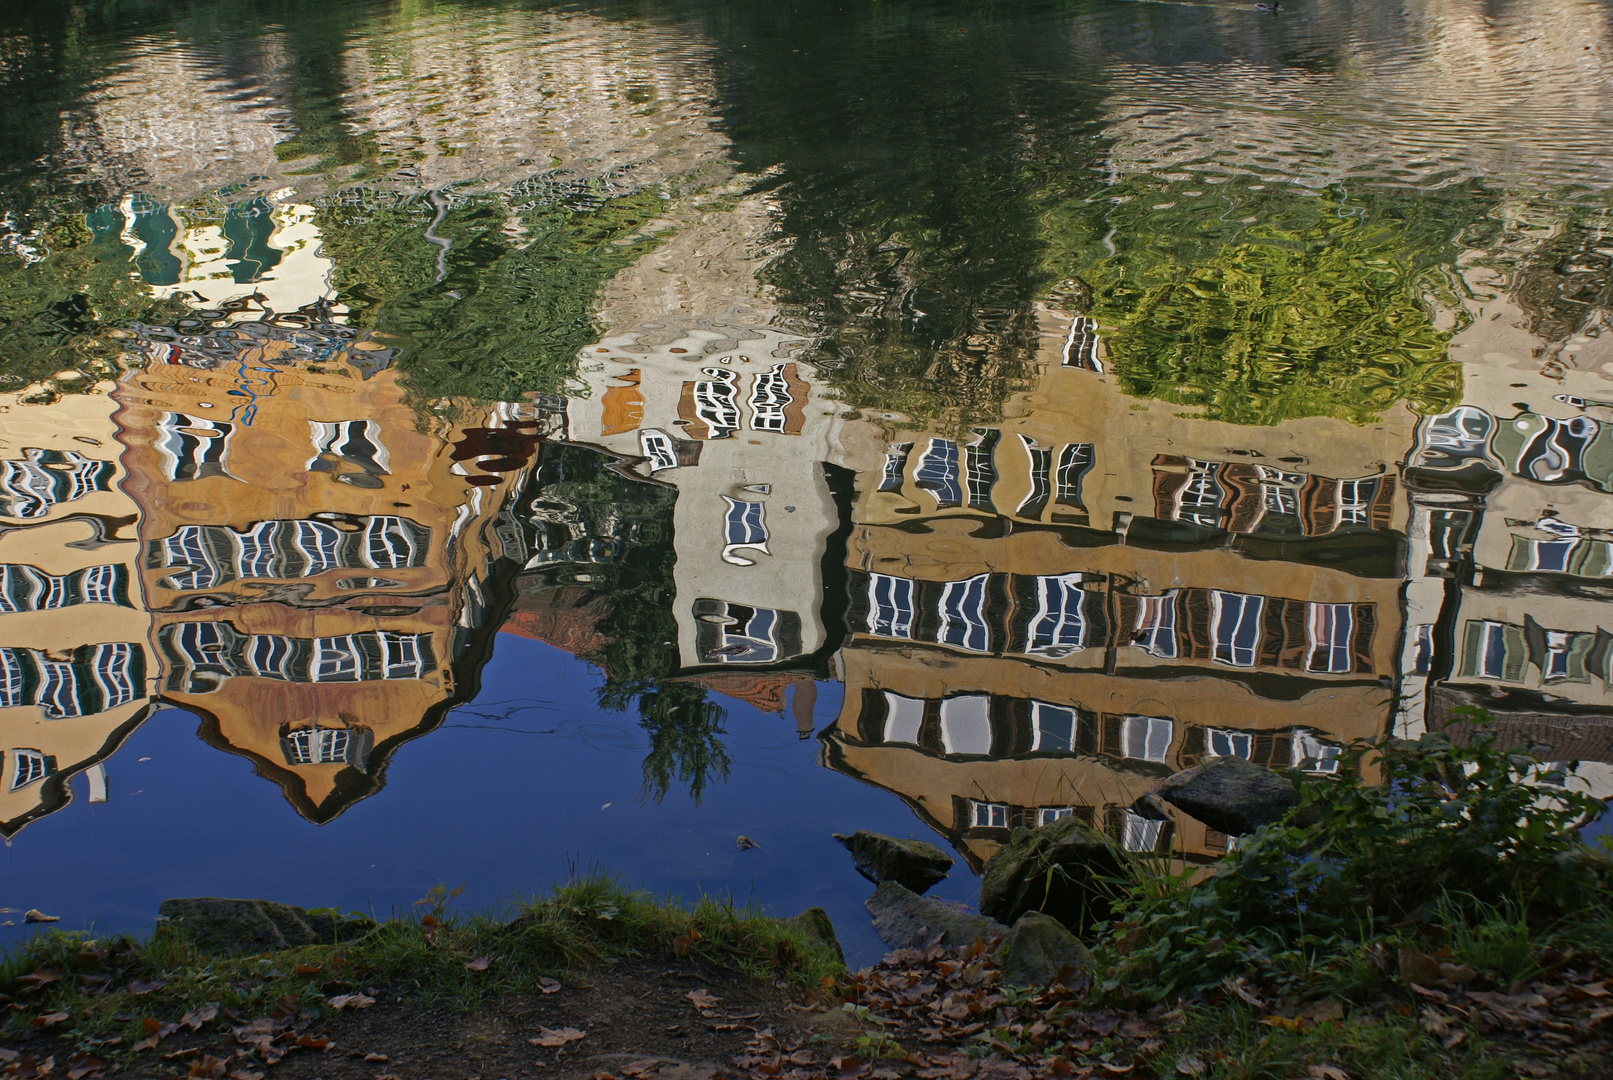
[1051, 614]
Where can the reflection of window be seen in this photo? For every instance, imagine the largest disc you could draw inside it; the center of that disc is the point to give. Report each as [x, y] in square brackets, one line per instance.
[1041, 468]
[963, 614]
[744, 634]
[1052, 727]
[336, 659]
[1218, 743]
[318, 746]
[1046, 815]
[1313, 755]
[27, 767]
[320, 545]
[1074, 462]
[101, 585]
[270, 656]
[938, 472]
[1355, 502]
[988, 815]
[389, 544]
[113, 667]
[895, 464]
[1145, 738]
[1059, 627]
[259, 556]
[714, 403]
[1156, 624]
[658, 447]
[1081, 345]
[1279, 491]
[743, 527]
[981, 468]
[400, 656]
[357, 442]
[768, 399]
[904, 716]
[890, 606]
[1422, 652]
[1565, 655]
[1446, 531]
[1494, 650]
[13, 685]
[1138, 833]
[1201, 497]
[966, 724]
[1235, 618]
[58, 689]
[186, 549]
[1329, 628]
[192, 448]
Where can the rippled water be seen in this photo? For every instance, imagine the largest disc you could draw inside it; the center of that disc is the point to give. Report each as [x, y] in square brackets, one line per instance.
[461, 441]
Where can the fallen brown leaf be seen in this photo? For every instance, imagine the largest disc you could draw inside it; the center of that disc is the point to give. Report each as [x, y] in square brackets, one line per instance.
[35, 915]
[478, 964]
[548, 985]
[47, 1020]
[145, 986]
[1326, 1072]
[374, 1058]
[351, 1001]
[38, 979]
[548, 1037]
[703, 999]
[197, 1017]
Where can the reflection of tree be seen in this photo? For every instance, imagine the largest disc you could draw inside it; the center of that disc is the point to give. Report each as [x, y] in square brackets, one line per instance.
[613, 541]
[1257, 306]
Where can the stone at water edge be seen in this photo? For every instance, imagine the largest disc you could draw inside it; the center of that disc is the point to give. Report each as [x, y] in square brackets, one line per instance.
[1231, 795]
[905, 920]
[1039, 951]
[219, 926]
[814, 924]
[1053, 869]
[912, 863]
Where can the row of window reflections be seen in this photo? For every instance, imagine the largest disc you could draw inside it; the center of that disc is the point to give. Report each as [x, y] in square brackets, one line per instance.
[41, 479]
[964, 475]
[28, 588]
[91, 679]
[198, 656]
[206, 556]
[1058, 614]
[1503, 652]
[710, 408]
[998, 727]
[1243, 498]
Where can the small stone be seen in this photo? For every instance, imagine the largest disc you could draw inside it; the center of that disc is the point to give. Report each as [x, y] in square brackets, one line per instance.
[1039, 951]
[904, 920]
[912, 863]
[814, 924]
[1231, 795]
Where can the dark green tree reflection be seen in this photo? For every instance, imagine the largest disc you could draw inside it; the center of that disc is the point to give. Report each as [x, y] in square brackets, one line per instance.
[607, 555]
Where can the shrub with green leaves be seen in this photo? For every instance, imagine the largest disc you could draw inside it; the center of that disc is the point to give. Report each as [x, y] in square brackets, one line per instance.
[1407, 837]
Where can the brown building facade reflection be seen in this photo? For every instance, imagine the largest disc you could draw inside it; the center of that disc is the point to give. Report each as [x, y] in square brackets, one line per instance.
[317, 555]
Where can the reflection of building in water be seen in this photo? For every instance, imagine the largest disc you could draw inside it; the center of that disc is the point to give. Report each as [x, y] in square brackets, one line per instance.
[318, 560]
[1051, 615]
[717, 409]
[75, 670]
[1511, 562]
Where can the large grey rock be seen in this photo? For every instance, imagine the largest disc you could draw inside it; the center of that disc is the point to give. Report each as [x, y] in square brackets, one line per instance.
[814, 925]
[1038, 951]
[912, 863]
[905, 920]
[1230, 794]
[219, 926]
[1063, 869]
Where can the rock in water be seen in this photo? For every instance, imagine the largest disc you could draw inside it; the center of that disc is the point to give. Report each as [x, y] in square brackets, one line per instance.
[1038, 951]
[815, 925]
[220, 926]
[905, 920]
[881, 858]
[1230, 794]
[1055, 869]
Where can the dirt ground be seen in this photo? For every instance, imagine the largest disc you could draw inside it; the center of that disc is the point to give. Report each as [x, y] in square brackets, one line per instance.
[637, 1020]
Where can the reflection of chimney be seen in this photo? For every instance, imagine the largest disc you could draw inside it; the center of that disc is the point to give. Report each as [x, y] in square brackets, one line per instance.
[803, 696]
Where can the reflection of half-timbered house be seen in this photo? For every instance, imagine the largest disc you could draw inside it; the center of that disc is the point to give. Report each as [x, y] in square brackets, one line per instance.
[319, 560]
[1050, 615]
[75, 671]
